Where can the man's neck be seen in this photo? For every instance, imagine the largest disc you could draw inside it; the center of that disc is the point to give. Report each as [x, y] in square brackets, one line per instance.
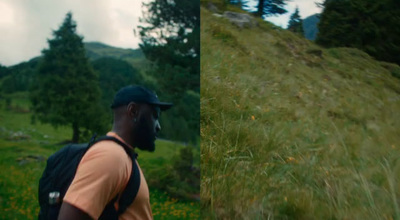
[124, 135]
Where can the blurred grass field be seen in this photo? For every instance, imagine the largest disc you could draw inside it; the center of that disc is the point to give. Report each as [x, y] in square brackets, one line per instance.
[24, 148]
[293, 131]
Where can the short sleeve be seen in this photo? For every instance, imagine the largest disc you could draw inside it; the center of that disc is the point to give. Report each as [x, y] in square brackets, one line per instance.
[102, 173]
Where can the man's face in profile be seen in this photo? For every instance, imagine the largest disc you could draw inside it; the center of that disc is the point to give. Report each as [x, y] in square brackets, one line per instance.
[147, 127]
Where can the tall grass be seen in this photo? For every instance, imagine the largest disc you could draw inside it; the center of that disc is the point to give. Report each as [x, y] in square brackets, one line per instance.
[289, 134]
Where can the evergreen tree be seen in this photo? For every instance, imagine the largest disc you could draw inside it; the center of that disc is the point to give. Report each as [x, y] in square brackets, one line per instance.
[66, 90]
[171, 40]
[369, 25]
[113, 75]
[19, 77]
[3, 71]
[270, 7]
[296, 23]
[244, 4]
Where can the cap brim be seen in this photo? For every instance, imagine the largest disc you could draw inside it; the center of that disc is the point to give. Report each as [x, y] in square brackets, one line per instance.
[163, 105]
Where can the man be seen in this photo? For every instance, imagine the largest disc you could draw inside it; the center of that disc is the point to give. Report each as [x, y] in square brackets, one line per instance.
[105, 169]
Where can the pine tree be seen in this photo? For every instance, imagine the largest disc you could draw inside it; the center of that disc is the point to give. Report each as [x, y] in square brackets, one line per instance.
[66, 90]
[364, 24]
[296, 23]
[270, 7]
[171, 40]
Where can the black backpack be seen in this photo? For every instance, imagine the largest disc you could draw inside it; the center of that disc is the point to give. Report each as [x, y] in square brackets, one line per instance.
[60, 171]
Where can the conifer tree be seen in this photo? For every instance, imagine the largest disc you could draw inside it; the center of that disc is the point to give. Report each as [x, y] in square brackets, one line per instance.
[170, 37]
[270, 7]
[66, 90]
[296, 23]
[364, 24]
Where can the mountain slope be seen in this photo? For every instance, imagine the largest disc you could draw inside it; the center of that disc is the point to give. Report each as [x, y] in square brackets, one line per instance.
[96, 50]
[19, 76]
[294, 131]
[310, 26]
[135, 57]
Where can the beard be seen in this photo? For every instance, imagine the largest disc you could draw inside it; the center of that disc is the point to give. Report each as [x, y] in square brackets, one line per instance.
[144, 135]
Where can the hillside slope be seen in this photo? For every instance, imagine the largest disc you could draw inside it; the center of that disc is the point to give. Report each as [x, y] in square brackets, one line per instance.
[135, 57]
[96, 50]
[19, 76]
[294, 131]
[310, 26]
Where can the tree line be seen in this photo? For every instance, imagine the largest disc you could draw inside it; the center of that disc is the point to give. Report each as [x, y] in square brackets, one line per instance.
[372, 26]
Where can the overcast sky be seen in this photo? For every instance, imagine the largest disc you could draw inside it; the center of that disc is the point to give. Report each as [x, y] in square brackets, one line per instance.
[306, 8]
[25, 25]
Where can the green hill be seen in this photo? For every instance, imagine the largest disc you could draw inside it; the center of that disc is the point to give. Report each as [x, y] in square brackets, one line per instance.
[291, 130]
[96, 50]
[18, 77]
[135, 57]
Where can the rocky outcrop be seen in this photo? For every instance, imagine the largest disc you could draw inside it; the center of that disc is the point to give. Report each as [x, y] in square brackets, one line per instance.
[240, 20]
[30, 158]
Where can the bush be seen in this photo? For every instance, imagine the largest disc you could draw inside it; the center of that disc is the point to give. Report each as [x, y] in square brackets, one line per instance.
[181, 179]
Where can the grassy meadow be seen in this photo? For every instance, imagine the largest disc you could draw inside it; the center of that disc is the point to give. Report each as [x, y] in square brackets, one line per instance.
[291, 130]
[24, 148]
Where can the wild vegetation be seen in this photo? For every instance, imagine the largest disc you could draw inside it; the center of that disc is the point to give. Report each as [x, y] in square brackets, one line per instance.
[291, 130]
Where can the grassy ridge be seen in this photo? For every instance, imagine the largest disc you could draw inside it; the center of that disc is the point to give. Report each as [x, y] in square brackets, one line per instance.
[135, 57]
[294, 131]
[24, 147]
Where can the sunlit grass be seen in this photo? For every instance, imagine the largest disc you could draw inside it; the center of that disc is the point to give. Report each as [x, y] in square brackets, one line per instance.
[165, 207]
[287, 134]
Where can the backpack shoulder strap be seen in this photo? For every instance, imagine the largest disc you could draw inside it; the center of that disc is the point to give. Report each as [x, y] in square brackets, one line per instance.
[128, 149]
[132, 188]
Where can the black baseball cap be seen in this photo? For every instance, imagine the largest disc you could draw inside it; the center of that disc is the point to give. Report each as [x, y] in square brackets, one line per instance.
[138, 94]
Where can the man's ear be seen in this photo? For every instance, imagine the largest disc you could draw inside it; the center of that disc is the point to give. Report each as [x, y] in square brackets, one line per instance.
[133, 110]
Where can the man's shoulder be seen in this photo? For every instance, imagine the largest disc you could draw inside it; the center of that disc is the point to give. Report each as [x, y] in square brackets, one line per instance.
[107, 149]
[101, 174]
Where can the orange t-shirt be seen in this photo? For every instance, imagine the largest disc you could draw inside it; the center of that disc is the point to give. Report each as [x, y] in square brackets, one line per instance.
[103, 173]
